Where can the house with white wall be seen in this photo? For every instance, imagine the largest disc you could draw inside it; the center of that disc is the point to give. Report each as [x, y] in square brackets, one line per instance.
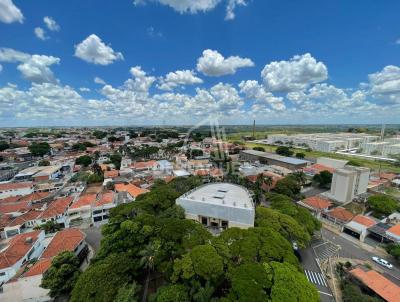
[8, 189]
[20, 249]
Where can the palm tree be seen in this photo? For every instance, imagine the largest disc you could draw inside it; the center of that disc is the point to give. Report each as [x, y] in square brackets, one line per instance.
[268, 180]
[147, 260]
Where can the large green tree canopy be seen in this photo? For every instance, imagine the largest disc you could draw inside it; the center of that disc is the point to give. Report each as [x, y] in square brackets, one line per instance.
[150, 239]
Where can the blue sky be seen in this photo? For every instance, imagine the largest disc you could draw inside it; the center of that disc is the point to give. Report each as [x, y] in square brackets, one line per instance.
[184, 61]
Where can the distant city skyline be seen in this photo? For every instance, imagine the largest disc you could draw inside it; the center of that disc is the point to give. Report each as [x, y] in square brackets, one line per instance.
[170, 62]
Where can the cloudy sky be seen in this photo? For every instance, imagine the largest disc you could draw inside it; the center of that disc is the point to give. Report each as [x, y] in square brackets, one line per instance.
[133, 62]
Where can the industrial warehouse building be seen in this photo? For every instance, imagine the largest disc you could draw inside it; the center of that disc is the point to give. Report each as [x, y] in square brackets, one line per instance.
[219, 206]
[273, 159]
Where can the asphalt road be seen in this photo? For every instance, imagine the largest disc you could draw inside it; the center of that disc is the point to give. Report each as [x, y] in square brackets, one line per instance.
[351, 250]
[314, 274]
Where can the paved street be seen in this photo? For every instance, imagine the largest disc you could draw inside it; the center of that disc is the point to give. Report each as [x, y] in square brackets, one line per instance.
[349, 249]
[314, 274]
[93, 237]
[312, 191]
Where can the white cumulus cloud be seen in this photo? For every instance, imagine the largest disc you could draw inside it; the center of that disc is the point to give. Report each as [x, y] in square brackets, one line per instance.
[11, 55]
[212, 63]
[98, 80]
[296, 74]
[51, 23]
[230, 8]
[385, 84]
[35, 68]
[9, 13]
[40, 33]
[253, 90]
[179, 78]
[93, 50]
[196, 6]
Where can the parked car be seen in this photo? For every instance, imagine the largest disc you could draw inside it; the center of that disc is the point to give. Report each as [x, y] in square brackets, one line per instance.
[382, 262]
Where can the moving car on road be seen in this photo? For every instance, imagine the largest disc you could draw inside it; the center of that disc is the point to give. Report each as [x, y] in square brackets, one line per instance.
[382, 262]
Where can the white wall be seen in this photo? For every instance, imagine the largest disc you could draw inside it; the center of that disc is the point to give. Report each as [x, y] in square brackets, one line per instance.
[16, 192]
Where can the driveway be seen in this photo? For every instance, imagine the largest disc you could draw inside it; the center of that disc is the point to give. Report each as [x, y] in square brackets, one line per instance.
[93, 237]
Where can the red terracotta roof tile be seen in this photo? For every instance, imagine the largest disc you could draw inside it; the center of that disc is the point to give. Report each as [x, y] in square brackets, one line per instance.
[341, 214]
[14, 207]
[144, 164]
[378, 283]
[105, 198]
[17, 248]
[38, 268]
[366, 221]
[111, 174]
[84, 200]
[28, 216]
[65, 240]
[318, 168]
[36, 196]
[15, 185]
[133, 190]
[317, 203]
[395, 229]
[57, 207]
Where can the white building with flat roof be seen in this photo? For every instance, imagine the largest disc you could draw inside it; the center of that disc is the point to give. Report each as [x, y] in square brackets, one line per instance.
[219, 205]
[325, 142]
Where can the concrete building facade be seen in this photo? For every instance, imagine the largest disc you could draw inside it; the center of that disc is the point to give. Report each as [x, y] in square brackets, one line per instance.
[219, 206]
[349, 182]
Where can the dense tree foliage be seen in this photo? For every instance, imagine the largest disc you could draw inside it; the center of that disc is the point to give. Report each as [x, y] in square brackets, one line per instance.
[62, 275]
[99, 134]
[115, 159]
[284, 224]
[192, 153]
[150, 239]
[382, 205]
[39, 149]
[394, 250]
[84, 160]
[284, 151]
[44, 163]
[262, 149]
[353, 293]
[300, 155]
[4, 146]
[289, 186]
[285, 205]
[323, 179]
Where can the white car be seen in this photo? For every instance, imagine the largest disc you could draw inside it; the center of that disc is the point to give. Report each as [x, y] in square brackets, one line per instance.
[382, 262]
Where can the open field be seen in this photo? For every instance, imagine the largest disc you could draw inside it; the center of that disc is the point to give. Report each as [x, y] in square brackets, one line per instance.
[372, 164]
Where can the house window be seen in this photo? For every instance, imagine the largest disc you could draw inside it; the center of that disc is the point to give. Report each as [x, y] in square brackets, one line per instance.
[204, 220]
[224, 224]
[2, 273]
